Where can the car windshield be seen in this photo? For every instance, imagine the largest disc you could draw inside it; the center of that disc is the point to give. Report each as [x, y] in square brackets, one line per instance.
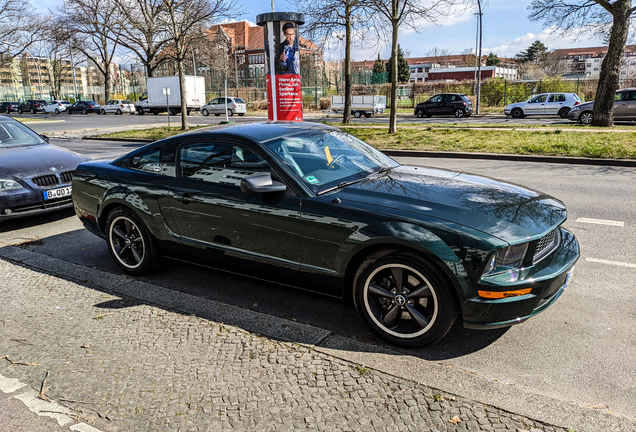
[324, 159]
[14, 134]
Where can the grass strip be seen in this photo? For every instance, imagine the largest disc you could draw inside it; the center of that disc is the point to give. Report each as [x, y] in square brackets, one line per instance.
[156, 133]
[32, 120]
[541, 142]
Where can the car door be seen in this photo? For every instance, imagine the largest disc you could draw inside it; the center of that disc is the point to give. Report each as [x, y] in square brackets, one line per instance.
[536, 105]
[629, 102]
[448, 104]
[259, 232]
[434, 104]
[554, 103]
[620, 105]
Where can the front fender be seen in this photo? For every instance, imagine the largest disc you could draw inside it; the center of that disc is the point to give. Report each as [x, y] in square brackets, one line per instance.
[459, 252]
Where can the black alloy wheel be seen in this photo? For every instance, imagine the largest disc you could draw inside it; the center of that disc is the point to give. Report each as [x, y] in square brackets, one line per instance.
[563, 112]
[129, 243]
[419, 113]
[459, 113]
[367, 115]
[586, 117]
[404, 299]
[84, 111]
[516, 113]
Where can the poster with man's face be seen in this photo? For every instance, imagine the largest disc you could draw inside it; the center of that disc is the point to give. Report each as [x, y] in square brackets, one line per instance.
[287, 55]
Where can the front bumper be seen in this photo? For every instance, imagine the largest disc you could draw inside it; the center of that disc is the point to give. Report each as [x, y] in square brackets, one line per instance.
[29, 202]
[547, 281]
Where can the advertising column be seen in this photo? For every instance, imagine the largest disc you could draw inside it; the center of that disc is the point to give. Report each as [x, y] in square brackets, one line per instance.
[282, 62]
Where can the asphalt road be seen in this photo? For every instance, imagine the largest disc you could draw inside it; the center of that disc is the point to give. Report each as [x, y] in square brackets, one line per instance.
[64, 122]
[580, 350]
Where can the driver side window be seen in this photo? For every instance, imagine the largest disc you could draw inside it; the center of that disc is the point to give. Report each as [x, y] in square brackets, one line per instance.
[224, 164]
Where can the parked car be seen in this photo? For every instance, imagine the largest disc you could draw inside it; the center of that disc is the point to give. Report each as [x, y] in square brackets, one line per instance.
[31, 105]
[9, 107]
[35, 176]
[216, 106]
[118, 106]
[544, 104]
[445, 104]
[411, 247]
[624, 108]
[84, 107]
[56, 106]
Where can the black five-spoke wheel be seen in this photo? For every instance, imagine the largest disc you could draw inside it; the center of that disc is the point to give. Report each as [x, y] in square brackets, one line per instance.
[129, 243]
[404, 299]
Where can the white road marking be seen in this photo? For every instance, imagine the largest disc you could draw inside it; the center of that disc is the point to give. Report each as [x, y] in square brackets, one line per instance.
[83, 427]
[41, 407]
[9, 385]
[616, 263]
[600, 222]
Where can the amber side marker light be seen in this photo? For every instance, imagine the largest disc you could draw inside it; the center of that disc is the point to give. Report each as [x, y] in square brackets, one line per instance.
[503, 294]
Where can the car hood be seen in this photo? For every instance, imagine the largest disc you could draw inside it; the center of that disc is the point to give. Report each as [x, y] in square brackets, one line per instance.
[585, 105]
[503, 210]
[37, 159]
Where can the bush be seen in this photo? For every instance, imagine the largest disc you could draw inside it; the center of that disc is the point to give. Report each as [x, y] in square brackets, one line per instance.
[325, 103]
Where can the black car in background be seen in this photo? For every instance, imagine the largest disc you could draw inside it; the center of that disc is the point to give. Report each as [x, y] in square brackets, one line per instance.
[84, 107]
[35, 176]
[8, 107]
[32, 106]
[456, 104]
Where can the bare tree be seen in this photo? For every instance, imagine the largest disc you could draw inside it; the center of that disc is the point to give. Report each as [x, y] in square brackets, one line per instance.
[581, 15]
[141, 32]
[327, 17]
[184, 21]
[440, 53]
[398, 15]
[19, 27]
[96, 29]
[53, 47]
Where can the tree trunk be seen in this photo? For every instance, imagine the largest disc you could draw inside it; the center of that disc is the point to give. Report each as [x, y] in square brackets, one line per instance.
[184, 114]
[347, 66]
[603, 113]
[107, 84]
[394, 75]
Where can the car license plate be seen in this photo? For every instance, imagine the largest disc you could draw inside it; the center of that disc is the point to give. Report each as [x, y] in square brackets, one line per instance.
[57, 193]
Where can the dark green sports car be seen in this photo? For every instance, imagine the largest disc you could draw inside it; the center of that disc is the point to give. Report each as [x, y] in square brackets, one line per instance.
[312, 207]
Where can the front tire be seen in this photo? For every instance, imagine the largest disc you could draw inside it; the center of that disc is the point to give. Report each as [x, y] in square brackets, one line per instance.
[130, 244]
[103, 112]
[586, 118]
[205, 113]
[19, 110]
[517, 113]
[404, 299]
[357, 114]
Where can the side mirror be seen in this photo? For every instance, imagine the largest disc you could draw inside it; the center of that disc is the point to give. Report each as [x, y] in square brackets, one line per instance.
[261, 183]
[45, 138]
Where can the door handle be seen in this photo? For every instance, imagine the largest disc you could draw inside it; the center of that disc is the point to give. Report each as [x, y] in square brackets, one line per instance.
[185, 198]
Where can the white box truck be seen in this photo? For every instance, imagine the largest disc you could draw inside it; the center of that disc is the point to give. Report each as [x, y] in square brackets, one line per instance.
[361, 105]
[154, 100]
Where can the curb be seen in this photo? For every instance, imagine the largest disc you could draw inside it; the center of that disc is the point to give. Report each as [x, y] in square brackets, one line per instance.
[535, 406]
[512, 157]
[139, 140]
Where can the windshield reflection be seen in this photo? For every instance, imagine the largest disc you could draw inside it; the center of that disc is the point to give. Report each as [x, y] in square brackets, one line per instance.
[14, 134]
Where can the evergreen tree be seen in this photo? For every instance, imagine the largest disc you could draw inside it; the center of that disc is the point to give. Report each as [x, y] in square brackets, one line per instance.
[404, 71]
[534, 54]
[493, 60]
[379, 72]
[378, 66]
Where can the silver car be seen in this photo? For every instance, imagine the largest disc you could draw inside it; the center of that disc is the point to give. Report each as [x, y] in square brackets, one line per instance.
[118, 106]
[624, 108]
[216, 106]
[544, 104]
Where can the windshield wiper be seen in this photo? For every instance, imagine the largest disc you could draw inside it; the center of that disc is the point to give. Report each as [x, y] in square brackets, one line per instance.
[340, 186]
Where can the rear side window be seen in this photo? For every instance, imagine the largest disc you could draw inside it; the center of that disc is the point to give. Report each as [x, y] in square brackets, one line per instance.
[151, 160]
[239, 100]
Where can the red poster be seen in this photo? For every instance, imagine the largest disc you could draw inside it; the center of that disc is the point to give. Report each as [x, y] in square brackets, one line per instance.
[289, 95]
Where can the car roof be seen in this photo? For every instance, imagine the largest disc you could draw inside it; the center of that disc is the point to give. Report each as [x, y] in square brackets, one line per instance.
[267, 130]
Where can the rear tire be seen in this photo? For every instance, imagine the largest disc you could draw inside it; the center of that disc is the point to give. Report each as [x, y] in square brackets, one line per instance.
[367, 115]
[130, 244]
[19, 110]
[118, 112]
[230, 113]
[563, 112]
[404, 298]
[33, 111]
[357, 114]
[460, 113]
[217, 115]
[84, 111]
[241, 115]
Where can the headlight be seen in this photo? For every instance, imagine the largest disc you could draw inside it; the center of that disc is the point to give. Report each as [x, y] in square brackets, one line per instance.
[509, 259]
[7, 185]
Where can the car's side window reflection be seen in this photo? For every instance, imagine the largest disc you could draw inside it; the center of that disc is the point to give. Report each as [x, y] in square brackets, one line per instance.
[224, 164]
[152, 161]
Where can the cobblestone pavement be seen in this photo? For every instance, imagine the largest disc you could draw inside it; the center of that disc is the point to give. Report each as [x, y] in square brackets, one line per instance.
[120, 363]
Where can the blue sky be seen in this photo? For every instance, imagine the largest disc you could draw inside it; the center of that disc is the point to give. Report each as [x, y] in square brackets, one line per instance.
[506, 31]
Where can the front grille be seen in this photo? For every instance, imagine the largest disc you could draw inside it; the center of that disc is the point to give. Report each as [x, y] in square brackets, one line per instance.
[60, 202]
[46, 180]
[546, 245]
[67, 176]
